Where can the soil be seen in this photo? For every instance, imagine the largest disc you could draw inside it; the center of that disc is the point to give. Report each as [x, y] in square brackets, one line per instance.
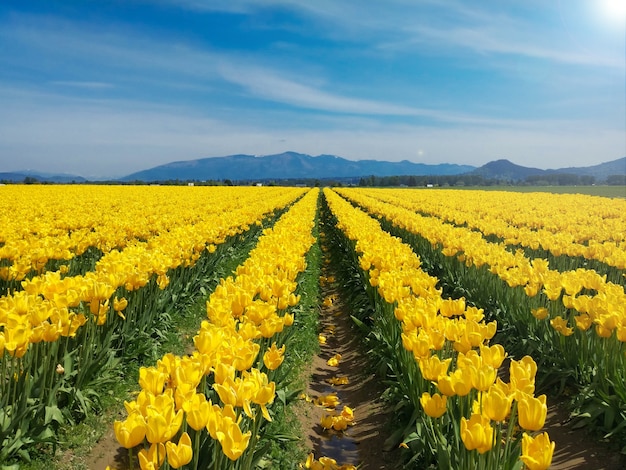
[575, 448]
[361, 444]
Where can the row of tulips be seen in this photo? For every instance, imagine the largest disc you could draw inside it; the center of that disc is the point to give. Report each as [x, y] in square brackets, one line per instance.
[574, 319]
[443, 361]
[208, 409]
[598, 303]
[44, 227]
[50, 306]
[60, 335]
[567, 224]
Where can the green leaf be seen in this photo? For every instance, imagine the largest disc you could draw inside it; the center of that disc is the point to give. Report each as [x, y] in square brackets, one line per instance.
[53, 413]
[280, 394]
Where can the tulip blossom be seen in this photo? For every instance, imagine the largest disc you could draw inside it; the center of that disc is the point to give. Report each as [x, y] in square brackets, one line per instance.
[434, 406]
[130, 432]
[179, 454]
[274, 357]
[153, 458]
[477, 433]
[537, 452]
[197, 411]
[532, 412]
[233, 441]
[334, 361]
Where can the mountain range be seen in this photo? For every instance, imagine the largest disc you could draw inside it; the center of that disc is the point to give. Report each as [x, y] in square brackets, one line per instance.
[505, 170]
[16, 176]
[293, 165]
[288, 165]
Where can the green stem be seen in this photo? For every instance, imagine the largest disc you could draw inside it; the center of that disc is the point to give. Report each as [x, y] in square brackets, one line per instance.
[196, 449]
[131, 462]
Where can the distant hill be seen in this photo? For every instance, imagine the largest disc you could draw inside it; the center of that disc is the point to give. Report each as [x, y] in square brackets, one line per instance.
[285, 166]
[19, 176]
[504, 169]
[600, 172]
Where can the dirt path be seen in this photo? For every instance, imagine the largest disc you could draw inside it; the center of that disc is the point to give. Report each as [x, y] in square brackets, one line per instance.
[362, 443]
[575, 449]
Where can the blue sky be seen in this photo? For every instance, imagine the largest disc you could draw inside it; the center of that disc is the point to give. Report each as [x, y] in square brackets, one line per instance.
[106, 88]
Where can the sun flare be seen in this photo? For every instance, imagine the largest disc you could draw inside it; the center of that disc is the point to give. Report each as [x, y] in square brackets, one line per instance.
[614, 9]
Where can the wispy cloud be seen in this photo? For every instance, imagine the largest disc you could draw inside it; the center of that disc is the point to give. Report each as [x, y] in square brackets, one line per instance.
[491, 40]
[80, 84]
[401, 25]
[272, 85]
[187, 66]
[116, 137]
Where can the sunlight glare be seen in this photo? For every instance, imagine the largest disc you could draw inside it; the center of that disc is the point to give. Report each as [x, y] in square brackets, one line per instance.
[614, 10]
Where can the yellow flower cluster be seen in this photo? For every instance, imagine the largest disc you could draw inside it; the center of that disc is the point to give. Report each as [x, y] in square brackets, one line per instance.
[564, 224]
[326, 463]
[244, 314]
[604, 309]
[441, 333]
[42, 223]
[48, 306]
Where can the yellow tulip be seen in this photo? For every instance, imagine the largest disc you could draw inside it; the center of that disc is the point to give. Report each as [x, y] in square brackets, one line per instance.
[583, 321]
[532, 412]
[247, 352]
[434, 406]
[433, 367]
[496, 404]
[477, 433]
[327, 421]
[452, 307]
[540, 313]
[227, 391]
[233, 441]
[334, 361]
[274, 357]
[461, 381]
[560, 325]
[214, 421]
[537, 452]
[119, 304]
[130, 432]
[483, 377]
[153, 458]
[163, 281]
[492, 355]
[328, 401]
[197, 411]
[445, 386]
[152, 380]
[179, 454]
[162, 423]
[522, 375]
[338, 381]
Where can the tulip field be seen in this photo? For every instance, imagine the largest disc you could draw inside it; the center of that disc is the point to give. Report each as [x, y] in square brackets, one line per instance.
[482, 307]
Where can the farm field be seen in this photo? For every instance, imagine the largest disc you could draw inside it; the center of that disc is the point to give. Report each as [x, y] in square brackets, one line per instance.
[467, 313]
[599, 190]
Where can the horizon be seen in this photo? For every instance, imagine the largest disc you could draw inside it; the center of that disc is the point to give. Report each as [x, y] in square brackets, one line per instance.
[106, 89]
[35, 173]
